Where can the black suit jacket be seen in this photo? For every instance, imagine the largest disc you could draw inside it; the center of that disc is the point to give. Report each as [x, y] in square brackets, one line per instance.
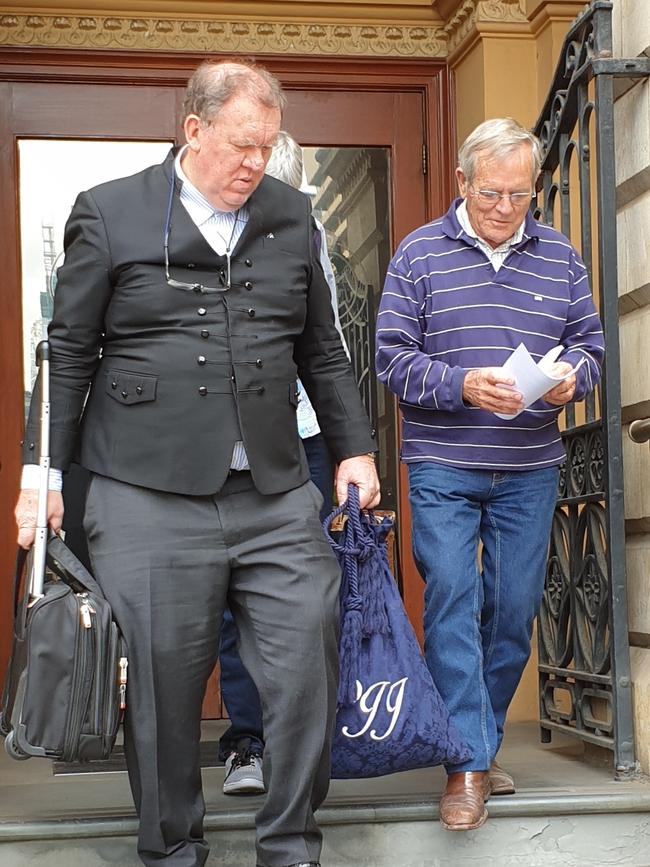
[152, 385]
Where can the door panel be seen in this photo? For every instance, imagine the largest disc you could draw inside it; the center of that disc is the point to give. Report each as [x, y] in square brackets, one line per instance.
[390, 124]
[99, 110]
[350, 189]
[395, 122]
[370, 119]
[42, 110]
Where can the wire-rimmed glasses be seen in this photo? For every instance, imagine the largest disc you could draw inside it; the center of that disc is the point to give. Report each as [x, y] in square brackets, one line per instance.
[224, 275]
[489, 198]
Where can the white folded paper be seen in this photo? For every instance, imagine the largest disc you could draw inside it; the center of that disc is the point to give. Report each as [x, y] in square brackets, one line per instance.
[532, 379]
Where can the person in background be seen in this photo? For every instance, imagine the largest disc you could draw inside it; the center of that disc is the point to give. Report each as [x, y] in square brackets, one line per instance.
[189, 301]
[241, 747]
[461, 294]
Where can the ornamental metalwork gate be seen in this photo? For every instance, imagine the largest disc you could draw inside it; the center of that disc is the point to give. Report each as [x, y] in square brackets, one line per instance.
[584, 662]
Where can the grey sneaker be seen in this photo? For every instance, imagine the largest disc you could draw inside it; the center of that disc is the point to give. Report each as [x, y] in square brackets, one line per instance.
[243, 774]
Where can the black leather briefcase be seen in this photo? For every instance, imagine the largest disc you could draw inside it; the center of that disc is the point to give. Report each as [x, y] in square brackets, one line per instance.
[65, 688]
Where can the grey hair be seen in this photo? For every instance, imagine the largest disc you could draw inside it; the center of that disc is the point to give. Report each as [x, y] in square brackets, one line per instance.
[285, 163]
[497, 137]
[214, 82]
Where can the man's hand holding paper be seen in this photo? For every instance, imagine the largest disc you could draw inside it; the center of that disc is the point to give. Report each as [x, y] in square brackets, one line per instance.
[492, 388]
[553, 380]
[562, 393]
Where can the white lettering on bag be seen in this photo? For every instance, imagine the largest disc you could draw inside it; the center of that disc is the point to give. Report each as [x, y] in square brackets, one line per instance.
[371, 700]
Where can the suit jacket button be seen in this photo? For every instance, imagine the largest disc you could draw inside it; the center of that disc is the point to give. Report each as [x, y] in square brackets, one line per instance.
[113, 384]
[31, 447]
[373, 433]
[200, 359]
[191, 265]
[249, 263]
[251, 312]
[261, 389]
[125, 394]
[203, 390]
[248, 285]
[138, 389]
[201, 311]
[205, 334]
[259, 362]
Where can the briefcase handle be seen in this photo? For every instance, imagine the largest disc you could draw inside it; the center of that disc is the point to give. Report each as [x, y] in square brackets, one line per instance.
[63, 563]
[66, 566]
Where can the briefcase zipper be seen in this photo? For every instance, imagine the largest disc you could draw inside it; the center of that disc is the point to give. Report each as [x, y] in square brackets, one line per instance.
[81, 685]
[86, 611]
[108, 675]
[124, 662]
[103, 669]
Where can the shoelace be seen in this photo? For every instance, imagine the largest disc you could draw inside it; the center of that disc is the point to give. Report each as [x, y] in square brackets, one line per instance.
[244, 757]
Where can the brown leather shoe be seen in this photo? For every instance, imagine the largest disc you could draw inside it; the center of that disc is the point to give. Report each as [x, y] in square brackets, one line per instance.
[501, 783]
[462, 806]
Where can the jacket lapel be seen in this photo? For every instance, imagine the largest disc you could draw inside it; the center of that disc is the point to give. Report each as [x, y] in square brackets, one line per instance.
[258, 217]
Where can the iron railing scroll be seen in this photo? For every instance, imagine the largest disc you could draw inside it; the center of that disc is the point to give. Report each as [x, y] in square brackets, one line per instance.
[584, 660]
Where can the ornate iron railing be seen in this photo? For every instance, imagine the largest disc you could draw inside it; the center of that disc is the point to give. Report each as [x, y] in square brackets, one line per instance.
[584, 661]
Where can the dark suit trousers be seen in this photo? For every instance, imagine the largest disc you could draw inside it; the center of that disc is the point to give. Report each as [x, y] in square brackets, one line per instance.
[168, 565]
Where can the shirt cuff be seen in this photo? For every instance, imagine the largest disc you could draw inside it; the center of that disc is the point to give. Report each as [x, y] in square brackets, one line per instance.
[32, 474]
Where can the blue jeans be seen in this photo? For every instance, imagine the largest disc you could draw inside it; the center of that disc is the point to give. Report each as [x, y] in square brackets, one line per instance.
[238, 691]
[478, 615]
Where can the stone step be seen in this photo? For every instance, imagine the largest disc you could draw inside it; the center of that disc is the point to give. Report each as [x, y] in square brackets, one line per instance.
[523, 830]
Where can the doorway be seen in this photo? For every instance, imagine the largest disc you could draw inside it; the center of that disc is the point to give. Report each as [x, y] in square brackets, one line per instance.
[366, 130]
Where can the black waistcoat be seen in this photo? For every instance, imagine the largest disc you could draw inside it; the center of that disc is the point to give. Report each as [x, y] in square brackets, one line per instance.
[184, 374]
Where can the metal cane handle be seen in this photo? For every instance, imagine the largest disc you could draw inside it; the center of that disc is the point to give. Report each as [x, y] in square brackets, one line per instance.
[40, 539]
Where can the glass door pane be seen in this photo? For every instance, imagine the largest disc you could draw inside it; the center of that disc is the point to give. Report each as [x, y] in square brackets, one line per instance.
[350, 188]
[51, 174]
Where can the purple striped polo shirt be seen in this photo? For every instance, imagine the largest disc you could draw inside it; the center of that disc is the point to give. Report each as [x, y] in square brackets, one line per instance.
[444, 310]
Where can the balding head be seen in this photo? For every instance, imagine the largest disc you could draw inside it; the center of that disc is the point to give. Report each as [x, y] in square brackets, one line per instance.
[215, 82]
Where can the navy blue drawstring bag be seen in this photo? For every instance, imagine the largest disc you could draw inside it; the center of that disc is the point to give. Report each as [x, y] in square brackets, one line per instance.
[390, 715]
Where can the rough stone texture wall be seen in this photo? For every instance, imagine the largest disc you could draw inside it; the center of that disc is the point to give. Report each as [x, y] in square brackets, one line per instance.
[631, 39]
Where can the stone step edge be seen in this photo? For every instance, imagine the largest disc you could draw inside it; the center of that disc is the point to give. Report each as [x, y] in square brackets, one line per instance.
[345, 814]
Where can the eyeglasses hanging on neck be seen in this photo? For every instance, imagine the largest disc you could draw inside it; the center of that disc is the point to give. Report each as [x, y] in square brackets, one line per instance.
[224, 273]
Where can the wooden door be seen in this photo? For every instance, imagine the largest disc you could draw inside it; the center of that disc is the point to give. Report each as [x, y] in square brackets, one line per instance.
[44, 111]
[332, 116]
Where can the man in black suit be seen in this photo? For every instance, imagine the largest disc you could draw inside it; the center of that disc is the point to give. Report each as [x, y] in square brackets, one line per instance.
[189, 301]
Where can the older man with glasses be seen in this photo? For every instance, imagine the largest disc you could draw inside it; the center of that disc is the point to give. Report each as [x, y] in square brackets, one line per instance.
[461, 294]
[190, 301]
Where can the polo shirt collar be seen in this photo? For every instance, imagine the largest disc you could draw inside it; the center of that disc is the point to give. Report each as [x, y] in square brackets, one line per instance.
[453, 228]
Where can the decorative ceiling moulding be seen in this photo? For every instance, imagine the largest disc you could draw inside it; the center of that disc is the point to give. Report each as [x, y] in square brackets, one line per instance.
[222, 37]
[471, 18]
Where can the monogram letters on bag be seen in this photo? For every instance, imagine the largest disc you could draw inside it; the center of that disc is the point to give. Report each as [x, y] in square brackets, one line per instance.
[370, 702]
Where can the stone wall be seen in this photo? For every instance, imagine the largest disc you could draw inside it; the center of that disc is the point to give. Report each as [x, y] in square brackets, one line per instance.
[632, 124]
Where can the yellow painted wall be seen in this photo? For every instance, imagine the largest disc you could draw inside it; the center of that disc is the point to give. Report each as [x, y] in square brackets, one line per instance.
[510, 79]
[470, 92]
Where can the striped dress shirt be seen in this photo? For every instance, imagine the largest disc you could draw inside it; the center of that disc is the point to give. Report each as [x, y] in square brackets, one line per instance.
[445, 309]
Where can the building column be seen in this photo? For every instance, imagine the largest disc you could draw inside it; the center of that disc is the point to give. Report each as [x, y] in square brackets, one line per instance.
[503, 54]
[631, 26]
